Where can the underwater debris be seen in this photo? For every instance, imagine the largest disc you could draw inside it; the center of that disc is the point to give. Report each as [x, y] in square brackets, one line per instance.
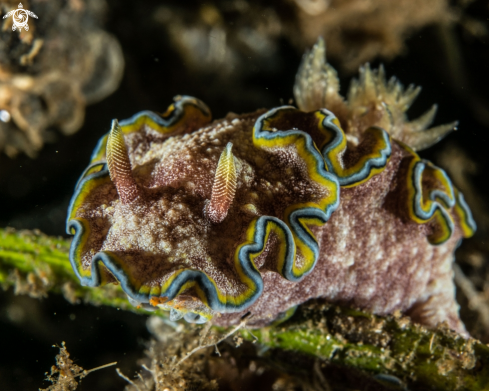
[65, 375]
[51, 72]
[371, 101]
[168, 366]
[323, 206]
[36, 285]
[220, 37]
[163, 370]
[321, 347]
[358, 31]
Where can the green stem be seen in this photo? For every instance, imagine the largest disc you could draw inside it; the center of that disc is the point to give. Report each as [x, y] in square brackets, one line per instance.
[438, 359]
[35, 264]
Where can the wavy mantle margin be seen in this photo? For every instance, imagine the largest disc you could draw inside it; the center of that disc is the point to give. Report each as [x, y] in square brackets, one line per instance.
[295, 237]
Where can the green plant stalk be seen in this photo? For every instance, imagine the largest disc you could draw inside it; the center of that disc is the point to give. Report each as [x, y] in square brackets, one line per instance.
[438, 359]
[36, 264]
[441, 359]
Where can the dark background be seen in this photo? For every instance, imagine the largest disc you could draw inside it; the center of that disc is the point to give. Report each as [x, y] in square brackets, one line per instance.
[34, 193]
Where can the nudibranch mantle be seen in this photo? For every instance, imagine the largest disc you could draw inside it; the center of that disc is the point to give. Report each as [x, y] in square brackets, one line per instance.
[262, 211]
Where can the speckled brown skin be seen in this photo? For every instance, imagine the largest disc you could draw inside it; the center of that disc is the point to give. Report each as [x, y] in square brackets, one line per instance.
[372, 255]
[373, 258]
[165, 228]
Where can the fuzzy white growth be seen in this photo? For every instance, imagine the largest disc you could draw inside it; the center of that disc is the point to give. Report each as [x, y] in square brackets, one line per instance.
[316, 83]
[120, 166]
[224, 187]
[389, 100]
[371, 101]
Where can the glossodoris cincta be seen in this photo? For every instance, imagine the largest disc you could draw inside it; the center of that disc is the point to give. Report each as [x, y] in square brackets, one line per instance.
[260, 212]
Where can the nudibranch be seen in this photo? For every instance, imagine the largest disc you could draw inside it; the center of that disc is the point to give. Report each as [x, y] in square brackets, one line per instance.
[257, 213]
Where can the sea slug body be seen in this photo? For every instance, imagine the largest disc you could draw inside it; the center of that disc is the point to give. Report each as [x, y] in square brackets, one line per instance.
[263, 211]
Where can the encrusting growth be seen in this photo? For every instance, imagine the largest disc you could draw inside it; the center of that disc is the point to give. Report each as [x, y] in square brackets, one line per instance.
[372, 101]
[120, 166]
[65, 375]
[224, 187]
[326, 200]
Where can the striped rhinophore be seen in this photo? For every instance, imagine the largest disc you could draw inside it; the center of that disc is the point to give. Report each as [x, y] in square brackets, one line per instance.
[263, 211]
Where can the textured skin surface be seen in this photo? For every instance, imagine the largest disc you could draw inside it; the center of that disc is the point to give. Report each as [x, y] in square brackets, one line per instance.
[371, 255]
[178, 174]
[373, 258]
[298, 208]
